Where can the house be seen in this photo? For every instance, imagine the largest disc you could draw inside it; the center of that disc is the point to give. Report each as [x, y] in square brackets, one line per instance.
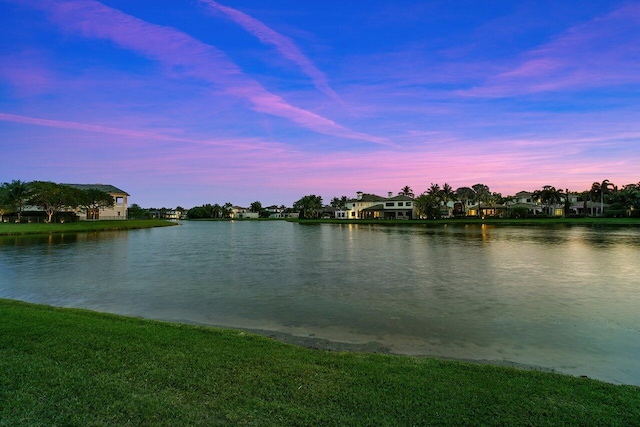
[117, 211]
[238, 212]
[275, 211]
[372, 206]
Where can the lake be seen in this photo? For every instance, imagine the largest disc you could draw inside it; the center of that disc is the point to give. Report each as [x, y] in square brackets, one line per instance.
[565, 298]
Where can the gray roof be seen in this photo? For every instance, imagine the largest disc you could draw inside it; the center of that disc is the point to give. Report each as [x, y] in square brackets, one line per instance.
[368, 198]
[102, 187]
[374, 208]
[401, 198]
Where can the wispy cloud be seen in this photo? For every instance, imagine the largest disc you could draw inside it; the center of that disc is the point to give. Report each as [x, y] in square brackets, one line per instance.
[186, 56]
[599, 53]
[283, 44]
[26, 72]
[149, 136]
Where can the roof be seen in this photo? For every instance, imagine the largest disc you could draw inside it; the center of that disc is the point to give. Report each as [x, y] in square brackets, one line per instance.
[102, 187]
[368, 198]
[401, 198]
[374, 208]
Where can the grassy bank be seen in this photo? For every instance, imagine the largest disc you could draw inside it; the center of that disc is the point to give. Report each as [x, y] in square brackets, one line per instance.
[73, 367]
[8, 228]
[488, 221]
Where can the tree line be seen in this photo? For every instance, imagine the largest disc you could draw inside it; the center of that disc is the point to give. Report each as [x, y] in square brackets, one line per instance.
[51, 198]
[430, 204]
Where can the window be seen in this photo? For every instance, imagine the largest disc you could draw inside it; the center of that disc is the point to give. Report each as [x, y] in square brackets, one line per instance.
[408, 203]
[353, 214]
[389, 204]
[400, 204]
[119, 199]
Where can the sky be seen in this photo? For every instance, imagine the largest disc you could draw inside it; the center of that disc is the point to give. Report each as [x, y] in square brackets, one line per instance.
[187, 102]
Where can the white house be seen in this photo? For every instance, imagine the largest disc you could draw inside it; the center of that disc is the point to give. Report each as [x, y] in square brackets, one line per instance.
[372, 206]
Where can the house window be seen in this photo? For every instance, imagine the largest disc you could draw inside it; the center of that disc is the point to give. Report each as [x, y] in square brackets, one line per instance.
[119, 199]
[400, 204]
[353, 214]
[408, 203]
[389, 204]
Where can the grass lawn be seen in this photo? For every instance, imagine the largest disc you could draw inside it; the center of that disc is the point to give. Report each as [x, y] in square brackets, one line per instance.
[75, 367]
[9, 228]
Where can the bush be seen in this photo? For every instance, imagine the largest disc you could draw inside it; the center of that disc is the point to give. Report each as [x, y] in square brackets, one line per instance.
[615, 213]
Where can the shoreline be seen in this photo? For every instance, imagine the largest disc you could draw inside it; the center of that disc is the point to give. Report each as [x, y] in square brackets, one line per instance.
[312, 342]
[12, 229]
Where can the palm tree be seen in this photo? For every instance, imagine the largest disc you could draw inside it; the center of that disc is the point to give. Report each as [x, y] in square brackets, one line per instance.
[548, 196]
[434, 191]
[446, 195]
[339, 202]
[309, 205]
[601, 189]
[406, 191]
[16, 193]
[628, 198]
[226, 210]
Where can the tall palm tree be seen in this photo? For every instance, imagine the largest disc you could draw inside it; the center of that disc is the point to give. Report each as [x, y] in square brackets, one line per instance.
[601, 189]
[226, 210]
[434, 191]
[406, 191]
[446, 195]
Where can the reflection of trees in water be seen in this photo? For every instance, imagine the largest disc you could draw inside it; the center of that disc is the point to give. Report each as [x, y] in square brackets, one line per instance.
[55, 239]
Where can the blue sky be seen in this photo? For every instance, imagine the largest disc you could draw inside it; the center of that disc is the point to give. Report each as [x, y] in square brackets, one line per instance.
[192, 102]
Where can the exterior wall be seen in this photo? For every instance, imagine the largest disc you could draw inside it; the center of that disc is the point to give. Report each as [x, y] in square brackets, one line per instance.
[242, 213]
[246, 215]
[118, 211]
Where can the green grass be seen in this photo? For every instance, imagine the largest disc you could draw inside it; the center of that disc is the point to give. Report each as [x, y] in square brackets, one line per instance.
[75, 367]
[488, 221]
[8, 228]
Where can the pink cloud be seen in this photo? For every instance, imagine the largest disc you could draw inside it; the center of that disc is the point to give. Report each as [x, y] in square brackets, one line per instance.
[186, 56]
[26, 72]
[283, 44]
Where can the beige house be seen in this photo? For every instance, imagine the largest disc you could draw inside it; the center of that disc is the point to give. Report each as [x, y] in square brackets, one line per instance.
[119, 209]
[238, 212]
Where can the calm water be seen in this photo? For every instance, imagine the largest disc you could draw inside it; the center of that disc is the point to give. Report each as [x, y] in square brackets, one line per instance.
[566, 298]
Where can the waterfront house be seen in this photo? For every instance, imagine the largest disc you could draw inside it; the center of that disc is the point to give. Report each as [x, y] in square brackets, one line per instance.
[238, 212]
[372, 206]
[117, 211]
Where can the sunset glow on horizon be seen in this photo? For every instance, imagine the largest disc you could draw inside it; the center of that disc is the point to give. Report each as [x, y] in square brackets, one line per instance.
[187, 103]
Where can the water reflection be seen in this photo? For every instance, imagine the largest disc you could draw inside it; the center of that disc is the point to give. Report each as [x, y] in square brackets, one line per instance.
[560, 297]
